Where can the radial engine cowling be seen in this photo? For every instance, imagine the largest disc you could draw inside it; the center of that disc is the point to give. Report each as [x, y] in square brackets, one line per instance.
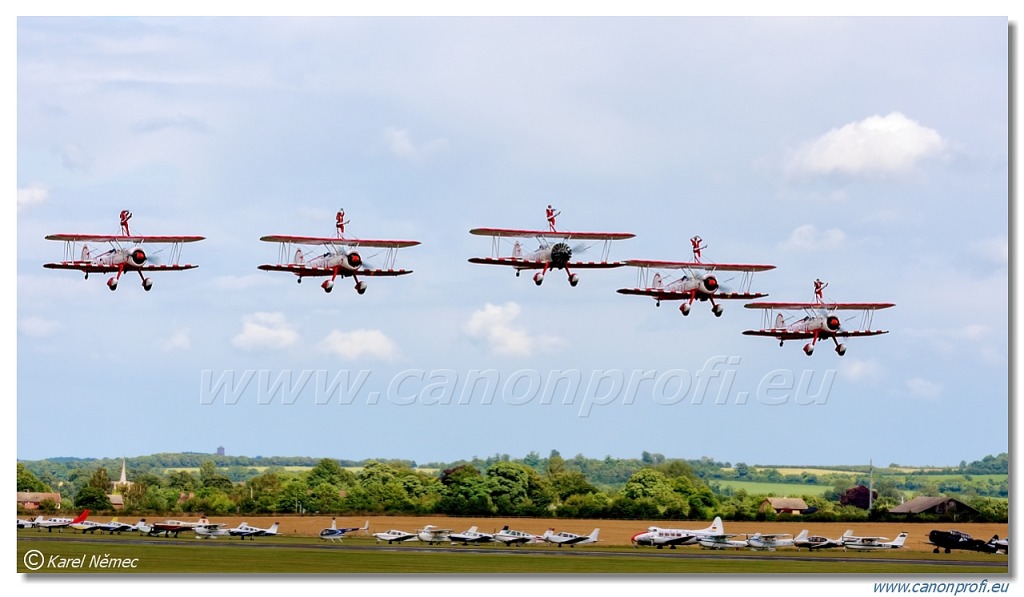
[709, 284]
[832, 323]
[137, 257]
[561, 253]
[354, 260]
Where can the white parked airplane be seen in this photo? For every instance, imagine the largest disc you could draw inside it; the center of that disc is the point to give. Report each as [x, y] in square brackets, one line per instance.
[244, 530]
[395, 536]
[722, 541]
[511, 537]
[866, 543]
[28, 524]
[59, 522]
[205, 529]
[431, 535]
[333, 533]
[660, 537]
[773, 541]
[471, 536]
[570, 539]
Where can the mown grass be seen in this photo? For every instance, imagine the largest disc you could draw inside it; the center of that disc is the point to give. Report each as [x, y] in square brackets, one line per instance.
[303, 556]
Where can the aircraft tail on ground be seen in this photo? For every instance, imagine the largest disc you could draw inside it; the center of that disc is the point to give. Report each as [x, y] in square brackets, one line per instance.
[898, 542]
[273, 529]
[81, 517]
[801, 536]
[593, 535]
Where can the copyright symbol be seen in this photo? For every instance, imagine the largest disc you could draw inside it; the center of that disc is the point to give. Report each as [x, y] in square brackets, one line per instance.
[33, 559]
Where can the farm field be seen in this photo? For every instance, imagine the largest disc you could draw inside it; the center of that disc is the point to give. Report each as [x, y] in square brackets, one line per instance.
[775, 489]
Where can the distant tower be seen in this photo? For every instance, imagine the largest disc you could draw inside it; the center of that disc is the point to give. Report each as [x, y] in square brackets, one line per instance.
[220, 450]
[123, 483]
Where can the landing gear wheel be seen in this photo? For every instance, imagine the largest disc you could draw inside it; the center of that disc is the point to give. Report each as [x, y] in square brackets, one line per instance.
[685, 309]
[717, 310]
[328, 286]
[841, 349]
[574, 280]
[112, 283]
[808, 349]
[147, 284]
[538, 279]
[361, 287]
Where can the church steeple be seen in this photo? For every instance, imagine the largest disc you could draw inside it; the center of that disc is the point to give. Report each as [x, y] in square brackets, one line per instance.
[124, 473]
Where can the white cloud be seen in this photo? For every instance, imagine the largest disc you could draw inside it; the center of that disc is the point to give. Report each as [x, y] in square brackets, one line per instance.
[923, 388]
[400, 143]
[891, 144]
[809, 238]
[857, 370]
[496, 325]
[33, 194]
[360, 343]
[265, 330]
[37, 327]
[179, 340]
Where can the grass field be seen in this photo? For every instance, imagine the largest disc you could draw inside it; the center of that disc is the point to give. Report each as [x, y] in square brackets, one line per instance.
[775, 489]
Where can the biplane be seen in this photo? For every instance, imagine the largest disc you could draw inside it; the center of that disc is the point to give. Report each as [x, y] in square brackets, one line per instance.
[555, 250]
[820, 321]
[335, 256]
[126, 253]
[698, 282]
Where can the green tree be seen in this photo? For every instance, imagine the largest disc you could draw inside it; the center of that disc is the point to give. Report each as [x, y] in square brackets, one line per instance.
[100, 480]
[27, 481]
[329, 471]
[94, 499]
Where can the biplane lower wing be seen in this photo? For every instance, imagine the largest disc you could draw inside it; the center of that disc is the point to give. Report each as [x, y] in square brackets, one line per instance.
[93, 268]
[305, 270]
[535, 264]
[668, 295]
[785, 334]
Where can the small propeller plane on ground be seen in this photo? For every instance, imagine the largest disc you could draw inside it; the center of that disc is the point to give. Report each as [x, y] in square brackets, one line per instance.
[773, 541]
[471, 536]
[333, 533]
[660, 537]
[245, 530]
[813, 542]
[432, 535]
[820, 321]
[395, 536]
[512, 537]
[205, 529]
[570, 539]
[699, 282]
[554, 250]
[28, 524]
[340, 257]
[722, 542]
[170, 527]
[868, 543]
[126, 254]
[60, 523]
[952, 539]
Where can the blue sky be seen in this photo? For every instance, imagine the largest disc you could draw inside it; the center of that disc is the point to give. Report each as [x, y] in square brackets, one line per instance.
[869, 152]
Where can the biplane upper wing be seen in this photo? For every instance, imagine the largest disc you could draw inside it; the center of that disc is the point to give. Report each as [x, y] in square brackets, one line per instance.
[104, 238]
[340, 241]
[513, 233]
[536, 264]
[665, 294]
[724, 267]
[823, 306]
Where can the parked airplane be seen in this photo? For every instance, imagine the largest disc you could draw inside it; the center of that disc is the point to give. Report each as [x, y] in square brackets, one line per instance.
[660, 537]
[512, 537]
[395, 536]
[244, 530]
[60, 522]
[431, 535]
[333, 533]
[570, 539]
[952, 539]
[773, 541]
[818, 542]
[210, 530]
[1002, 544]
[722, 542]
[28, 524]
[865, 543]
[169, 527]
[471, 536]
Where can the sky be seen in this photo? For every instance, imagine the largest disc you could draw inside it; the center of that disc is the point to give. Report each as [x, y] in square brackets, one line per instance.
[869, 152]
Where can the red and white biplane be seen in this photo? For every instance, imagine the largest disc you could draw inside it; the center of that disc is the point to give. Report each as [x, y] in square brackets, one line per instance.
[126, 254]
[699, 282]
[340, 257]
[820, 320]
[553, 252]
